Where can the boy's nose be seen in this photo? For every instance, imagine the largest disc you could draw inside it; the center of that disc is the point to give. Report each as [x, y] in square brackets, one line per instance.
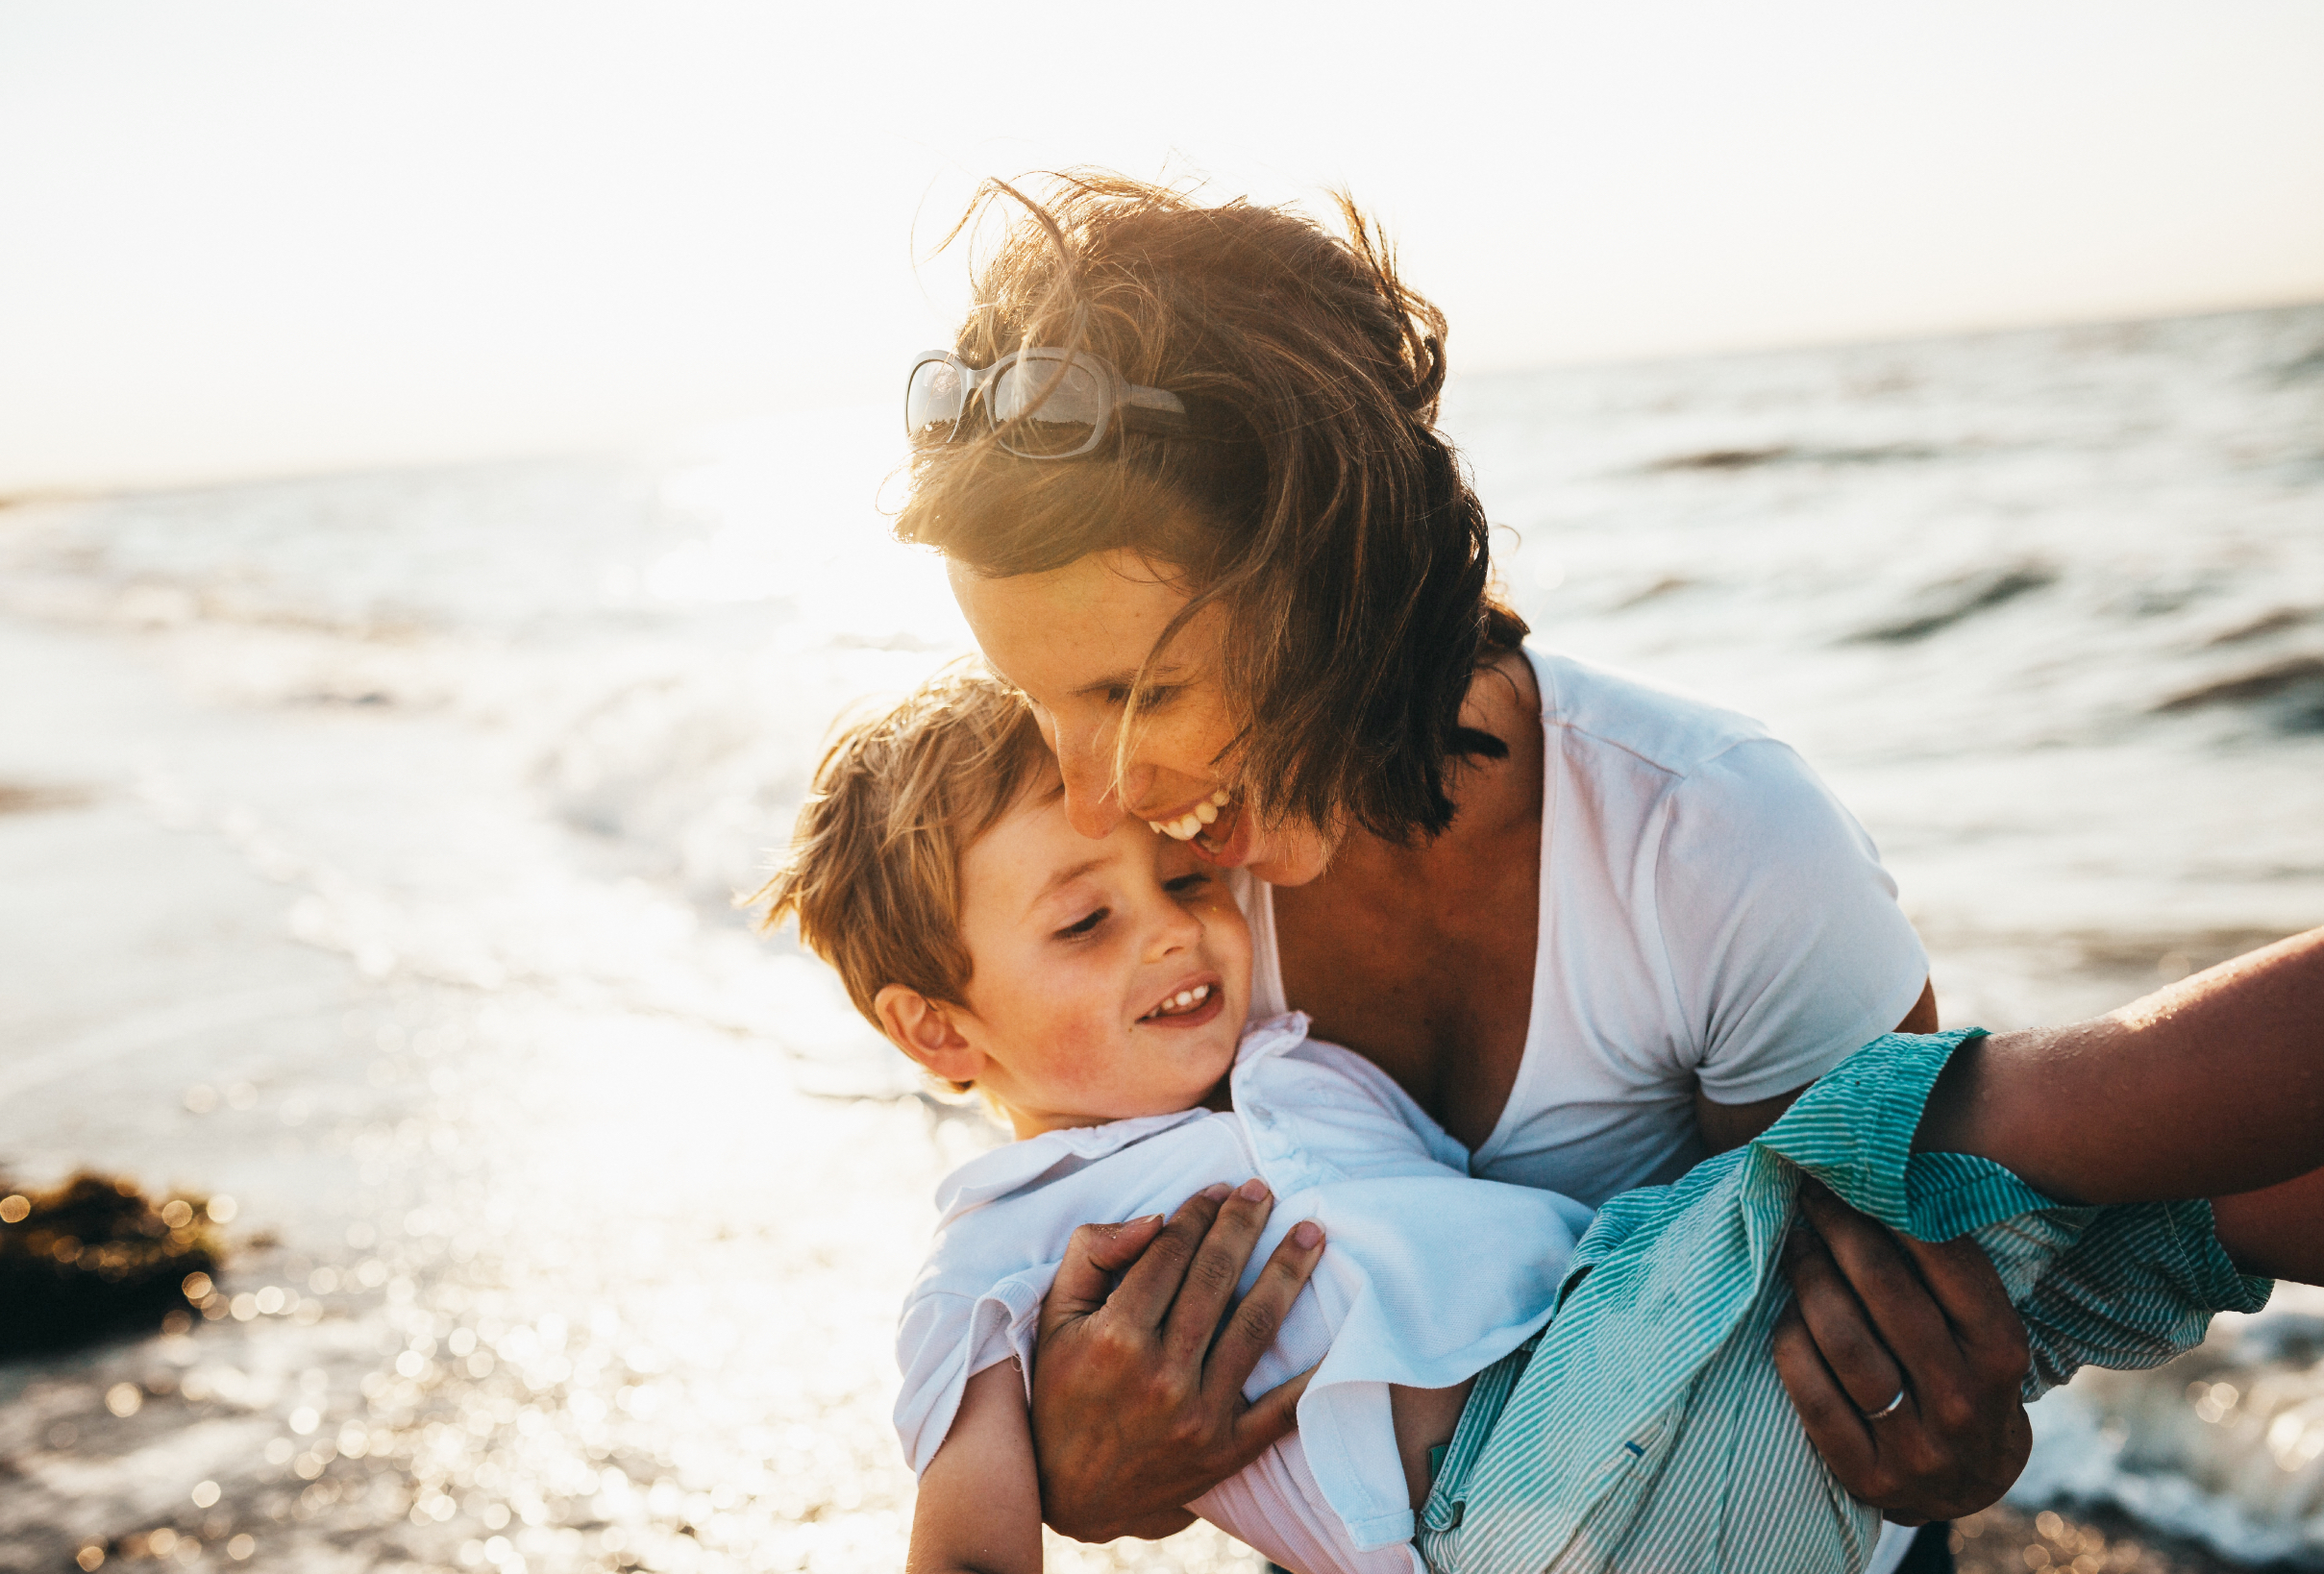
[1176, 930]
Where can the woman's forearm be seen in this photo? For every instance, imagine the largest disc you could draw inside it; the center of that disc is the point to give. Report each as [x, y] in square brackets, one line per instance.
[2213, 1086]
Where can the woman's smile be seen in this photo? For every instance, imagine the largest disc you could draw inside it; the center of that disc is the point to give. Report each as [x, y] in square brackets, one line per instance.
[1228, 842]
[1074, 641]
[1185, 827]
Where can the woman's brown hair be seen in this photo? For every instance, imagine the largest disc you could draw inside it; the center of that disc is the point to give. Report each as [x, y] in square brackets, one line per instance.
[1319, 505]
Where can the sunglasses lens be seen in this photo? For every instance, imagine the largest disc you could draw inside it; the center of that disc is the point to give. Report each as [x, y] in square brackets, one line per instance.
[1047, 407]
[932, 401]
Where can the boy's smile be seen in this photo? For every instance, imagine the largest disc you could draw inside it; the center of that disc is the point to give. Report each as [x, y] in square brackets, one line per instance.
[1187, 1008]
[1108, 976]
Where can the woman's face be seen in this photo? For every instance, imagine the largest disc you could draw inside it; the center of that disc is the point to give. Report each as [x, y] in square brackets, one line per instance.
[1072, 640]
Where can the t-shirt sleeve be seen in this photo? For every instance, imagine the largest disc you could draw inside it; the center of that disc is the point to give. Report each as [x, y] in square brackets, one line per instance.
[1786, 946]
[944, 1340]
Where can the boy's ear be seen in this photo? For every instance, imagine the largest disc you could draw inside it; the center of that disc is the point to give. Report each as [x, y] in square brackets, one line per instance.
[923, 1029]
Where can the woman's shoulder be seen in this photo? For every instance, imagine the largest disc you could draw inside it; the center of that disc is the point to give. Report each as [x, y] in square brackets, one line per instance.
[1594, 709]
[1712, 788]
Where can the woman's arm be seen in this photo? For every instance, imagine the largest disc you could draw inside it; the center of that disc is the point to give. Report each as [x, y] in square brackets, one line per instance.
[1137, 1387]
[2213, 1086]
[1875, 1315]
[979, 1505]
[1868, 1319]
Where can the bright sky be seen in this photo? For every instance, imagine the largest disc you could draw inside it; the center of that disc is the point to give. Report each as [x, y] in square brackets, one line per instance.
[249, 239]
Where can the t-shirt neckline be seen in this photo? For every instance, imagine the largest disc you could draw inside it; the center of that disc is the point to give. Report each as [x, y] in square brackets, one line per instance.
[1268, 956]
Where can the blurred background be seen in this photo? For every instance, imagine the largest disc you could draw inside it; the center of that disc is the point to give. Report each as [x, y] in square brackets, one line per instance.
[442, 461]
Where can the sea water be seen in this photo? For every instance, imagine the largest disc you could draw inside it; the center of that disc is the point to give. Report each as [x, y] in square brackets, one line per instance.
[372, 844]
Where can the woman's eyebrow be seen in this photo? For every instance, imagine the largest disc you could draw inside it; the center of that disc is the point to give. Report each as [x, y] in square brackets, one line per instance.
[1124, 680]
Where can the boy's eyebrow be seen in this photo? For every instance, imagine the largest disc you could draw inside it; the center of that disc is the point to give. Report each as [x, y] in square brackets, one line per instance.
[1067, 877]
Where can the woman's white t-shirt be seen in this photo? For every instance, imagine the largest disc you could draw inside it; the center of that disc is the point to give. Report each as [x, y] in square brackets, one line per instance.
[1709, 916]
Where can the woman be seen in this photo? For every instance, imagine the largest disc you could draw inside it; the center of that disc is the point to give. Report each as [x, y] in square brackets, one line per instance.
[1182, 465]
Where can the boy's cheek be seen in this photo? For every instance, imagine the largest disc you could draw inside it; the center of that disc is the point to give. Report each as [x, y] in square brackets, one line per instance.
[1079, 1054]
[1229, 943]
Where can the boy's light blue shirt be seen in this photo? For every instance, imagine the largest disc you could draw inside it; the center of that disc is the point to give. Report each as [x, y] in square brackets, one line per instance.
[1649, 1431]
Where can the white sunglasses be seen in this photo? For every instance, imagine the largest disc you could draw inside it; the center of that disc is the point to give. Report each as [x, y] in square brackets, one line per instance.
[1040, 403]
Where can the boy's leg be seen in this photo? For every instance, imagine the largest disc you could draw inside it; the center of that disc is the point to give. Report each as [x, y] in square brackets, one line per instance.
[1932, 1550]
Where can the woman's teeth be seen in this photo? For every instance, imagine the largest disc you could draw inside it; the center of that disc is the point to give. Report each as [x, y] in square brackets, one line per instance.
[1185, 1001]
[1188, 825]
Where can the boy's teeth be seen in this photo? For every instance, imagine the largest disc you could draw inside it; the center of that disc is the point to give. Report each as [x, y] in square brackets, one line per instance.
[1219, 799]
[1184, 999]
[1206, 812]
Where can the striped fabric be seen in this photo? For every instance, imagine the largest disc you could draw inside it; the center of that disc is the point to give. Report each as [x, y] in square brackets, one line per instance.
[1646, 1430]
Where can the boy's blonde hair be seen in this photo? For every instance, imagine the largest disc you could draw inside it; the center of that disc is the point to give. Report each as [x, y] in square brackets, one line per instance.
[873, 875]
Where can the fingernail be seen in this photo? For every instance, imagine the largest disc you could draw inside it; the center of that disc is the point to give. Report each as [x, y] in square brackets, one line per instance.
[1253, 1190]
[1216, 1194]
[1142, 1218]
[1306, 1234]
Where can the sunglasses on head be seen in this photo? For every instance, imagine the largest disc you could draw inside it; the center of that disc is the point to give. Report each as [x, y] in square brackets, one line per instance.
[1040, 403]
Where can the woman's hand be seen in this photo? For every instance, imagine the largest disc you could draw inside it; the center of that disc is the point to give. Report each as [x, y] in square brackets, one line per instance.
[1929, 1324]
[1138, 1403]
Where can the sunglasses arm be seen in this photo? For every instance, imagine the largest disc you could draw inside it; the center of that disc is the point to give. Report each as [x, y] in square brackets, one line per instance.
[1155, 411]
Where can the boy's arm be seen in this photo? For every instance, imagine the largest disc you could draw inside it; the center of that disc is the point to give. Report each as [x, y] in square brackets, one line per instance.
[979, 1505]
[2212, 1087]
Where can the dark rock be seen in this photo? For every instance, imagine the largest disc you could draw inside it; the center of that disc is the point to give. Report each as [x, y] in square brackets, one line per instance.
[95, 1256]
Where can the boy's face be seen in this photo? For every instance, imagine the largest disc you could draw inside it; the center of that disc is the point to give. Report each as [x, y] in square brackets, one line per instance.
[1109, 976]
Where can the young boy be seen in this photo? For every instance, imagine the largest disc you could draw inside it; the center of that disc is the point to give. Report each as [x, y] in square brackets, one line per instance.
[1094, 991]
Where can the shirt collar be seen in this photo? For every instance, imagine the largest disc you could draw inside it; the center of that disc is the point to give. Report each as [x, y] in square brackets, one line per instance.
[1015, 1165]
[1018, 1165]
[1267, 1040]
